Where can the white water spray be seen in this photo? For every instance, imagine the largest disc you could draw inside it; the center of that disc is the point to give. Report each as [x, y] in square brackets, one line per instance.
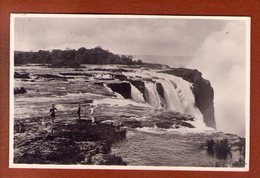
[136, 94]
[171, 96]
[151, 95]
[178, 96]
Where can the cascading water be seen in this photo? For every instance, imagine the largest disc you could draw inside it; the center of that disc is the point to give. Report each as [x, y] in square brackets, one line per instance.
[136, 94]
[171, 96]
[151, 95]
[177, 95]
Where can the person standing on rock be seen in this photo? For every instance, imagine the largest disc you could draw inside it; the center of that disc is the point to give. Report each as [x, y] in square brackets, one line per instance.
[91, 112]
[79, 110]
[52, 111]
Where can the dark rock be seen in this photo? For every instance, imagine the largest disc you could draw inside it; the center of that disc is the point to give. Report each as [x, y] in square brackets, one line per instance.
[120, 134]
[204, 96]
[186, 124]
[78, 70]
[202, 90]
[119, 70]
[160, 90]
[132, 123]
[190, 119]
[210, 146]
[79, 141]
[176, 127]
[20, 90]
[21, 75]
[99, 83]
[76, 74]
[107, 159]
[123, 89]
[120, 76]
[51, 76]
[164, 124]
[19, 127]
[220, 148]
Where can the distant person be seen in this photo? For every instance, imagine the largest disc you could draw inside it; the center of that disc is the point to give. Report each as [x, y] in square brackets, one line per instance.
[52, 111]
[91, 112]
[79, 110]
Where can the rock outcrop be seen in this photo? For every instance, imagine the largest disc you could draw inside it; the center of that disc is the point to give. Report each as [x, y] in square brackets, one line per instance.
[74, 142]
[51, 76]
[202, 90]
[20, 90]
[225, 147]
[21, 75]
[160, 90]
[123, 89]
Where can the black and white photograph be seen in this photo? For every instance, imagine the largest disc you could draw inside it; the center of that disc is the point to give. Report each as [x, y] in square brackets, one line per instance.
[129, 92]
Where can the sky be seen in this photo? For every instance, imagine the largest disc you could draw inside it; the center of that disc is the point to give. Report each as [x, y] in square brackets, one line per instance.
[216, 47]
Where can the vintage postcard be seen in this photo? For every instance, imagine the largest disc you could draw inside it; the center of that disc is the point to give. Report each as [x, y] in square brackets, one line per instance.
[129, 92]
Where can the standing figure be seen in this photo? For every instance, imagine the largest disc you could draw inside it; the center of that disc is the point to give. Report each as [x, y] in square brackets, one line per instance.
[79, 110]
[52, 111]
[91, 112]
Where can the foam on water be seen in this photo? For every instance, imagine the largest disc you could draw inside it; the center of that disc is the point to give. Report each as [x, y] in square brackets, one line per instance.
[181, 130]
[119, 102]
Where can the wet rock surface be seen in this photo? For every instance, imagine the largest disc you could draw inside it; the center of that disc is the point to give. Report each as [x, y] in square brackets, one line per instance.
[160, 90]
[21, 75]
[123, 89]
[20, 90]
[66, 142]
[53, 77]
[226, 147]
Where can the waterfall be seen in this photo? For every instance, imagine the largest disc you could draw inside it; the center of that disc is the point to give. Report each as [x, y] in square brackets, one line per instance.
[136, 94]
[177, 96]
[171, 97]
[187, 100]
[151, 95]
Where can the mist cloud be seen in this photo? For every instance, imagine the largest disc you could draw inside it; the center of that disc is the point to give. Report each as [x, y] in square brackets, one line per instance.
[221, 59]
[121, 36]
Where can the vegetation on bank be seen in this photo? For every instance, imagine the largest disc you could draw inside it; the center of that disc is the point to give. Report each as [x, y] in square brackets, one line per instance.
[73, 58]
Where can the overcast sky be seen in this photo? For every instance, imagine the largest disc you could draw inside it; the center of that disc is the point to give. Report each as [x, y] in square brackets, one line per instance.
[137, 36]
[217, 48]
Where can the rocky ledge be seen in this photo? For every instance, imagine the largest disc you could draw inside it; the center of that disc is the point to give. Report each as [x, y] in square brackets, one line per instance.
[20, 90]
[228, 148]
[66, 142]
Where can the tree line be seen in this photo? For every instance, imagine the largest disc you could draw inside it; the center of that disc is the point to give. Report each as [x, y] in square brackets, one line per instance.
[73, 58]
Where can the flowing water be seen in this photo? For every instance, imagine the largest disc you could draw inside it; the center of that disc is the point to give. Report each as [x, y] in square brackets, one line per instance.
[152, 96]
[136, 94]
[143, 146]
[155, 147]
